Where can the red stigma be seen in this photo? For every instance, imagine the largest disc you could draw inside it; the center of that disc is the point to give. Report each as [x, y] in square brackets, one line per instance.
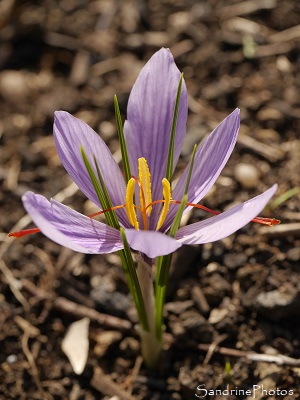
[25, 232]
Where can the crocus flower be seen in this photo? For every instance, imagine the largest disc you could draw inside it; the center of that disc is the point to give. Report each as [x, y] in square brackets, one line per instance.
[145, 206]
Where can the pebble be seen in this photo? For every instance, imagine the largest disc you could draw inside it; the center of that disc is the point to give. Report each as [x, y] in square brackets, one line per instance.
[14, 84]
[276, 304]
[247, 175]
[233, 261]
[293, 254]
[105, 340]
[217, 315]
[269, 113]
[268, 135]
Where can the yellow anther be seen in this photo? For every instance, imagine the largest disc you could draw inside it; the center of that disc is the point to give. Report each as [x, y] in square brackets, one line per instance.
[145, 182]
[130, 211]
[167, 197]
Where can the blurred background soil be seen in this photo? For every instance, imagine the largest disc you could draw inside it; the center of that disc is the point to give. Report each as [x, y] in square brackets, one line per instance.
[232, 303]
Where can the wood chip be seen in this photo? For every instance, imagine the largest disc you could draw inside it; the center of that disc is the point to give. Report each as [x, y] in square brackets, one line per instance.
[107, 387]
[270, 153]
[246, 7]
[281, 230]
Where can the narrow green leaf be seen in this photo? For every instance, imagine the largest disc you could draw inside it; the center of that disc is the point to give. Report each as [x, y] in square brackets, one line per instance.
[106, 196]
[178, 216]
[93, 178]
[133, 282]
[170, 161]
[162, 275]
[284, 197]
[164, 263]
[97, 187]
[124, 153]
[125, 254]
[190, 170]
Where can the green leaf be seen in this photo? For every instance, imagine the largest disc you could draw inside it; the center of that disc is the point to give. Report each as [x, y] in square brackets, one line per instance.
[162, 276]
[178, 216]
[125, 254]
[284, 197]
[125, 160]
[133, 281]
[164, 263]
[170, 161]
[190, 170]
[98, 189]
[108, 203]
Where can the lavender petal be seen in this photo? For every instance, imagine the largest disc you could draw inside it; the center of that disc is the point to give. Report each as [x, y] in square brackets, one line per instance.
[151, 243]
[223, 225]
[149, 117]
[210, 159]
[69, 228]
[70, 133]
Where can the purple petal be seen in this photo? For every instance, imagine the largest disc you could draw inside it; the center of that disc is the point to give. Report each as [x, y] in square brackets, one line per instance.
[224, 224]
[210, 159]
[70, 133]
[149, 117]
[69, 228]
[151, 243]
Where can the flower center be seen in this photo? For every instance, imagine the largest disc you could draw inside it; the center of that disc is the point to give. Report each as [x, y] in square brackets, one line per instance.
[145, 207]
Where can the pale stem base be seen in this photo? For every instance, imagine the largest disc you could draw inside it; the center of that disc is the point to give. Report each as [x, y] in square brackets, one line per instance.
[151, 347]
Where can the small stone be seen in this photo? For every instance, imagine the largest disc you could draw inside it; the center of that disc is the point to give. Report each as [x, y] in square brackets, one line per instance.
[233, 261]
[293, 254]
[14, 84]
[268, 135]
[180, 20]
[277, 304]
[247, 175]
[269, 113]
[105, 340]
[107, 130]
[217, 315]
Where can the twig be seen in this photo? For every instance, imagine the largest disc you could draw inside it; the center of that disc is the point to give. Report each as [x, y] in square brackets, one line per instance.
[245, 7]
[78, 310]
[14, 285]
[272, 49]
[260, 148]
[29, 331]
[286, 35]
[212, 347]
[281, 230]
[278, 359]
[106, 386]
[130, 379]
[200, 300]
[59, 40]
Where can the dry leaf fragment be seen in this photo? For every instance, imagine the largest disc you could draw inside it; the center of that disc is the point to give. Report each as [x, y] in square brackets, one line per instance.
[75, 344]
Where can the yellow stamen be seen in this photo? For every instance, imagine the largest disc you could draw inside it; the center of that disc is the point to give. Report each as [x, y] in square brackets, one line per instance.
[167, 197]
[130, 211]
[145, 181]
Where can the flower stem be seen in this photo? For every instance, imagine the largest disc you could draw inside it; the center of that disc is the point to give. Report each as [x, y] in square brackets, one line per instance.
[151, 345]
[133, 282]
